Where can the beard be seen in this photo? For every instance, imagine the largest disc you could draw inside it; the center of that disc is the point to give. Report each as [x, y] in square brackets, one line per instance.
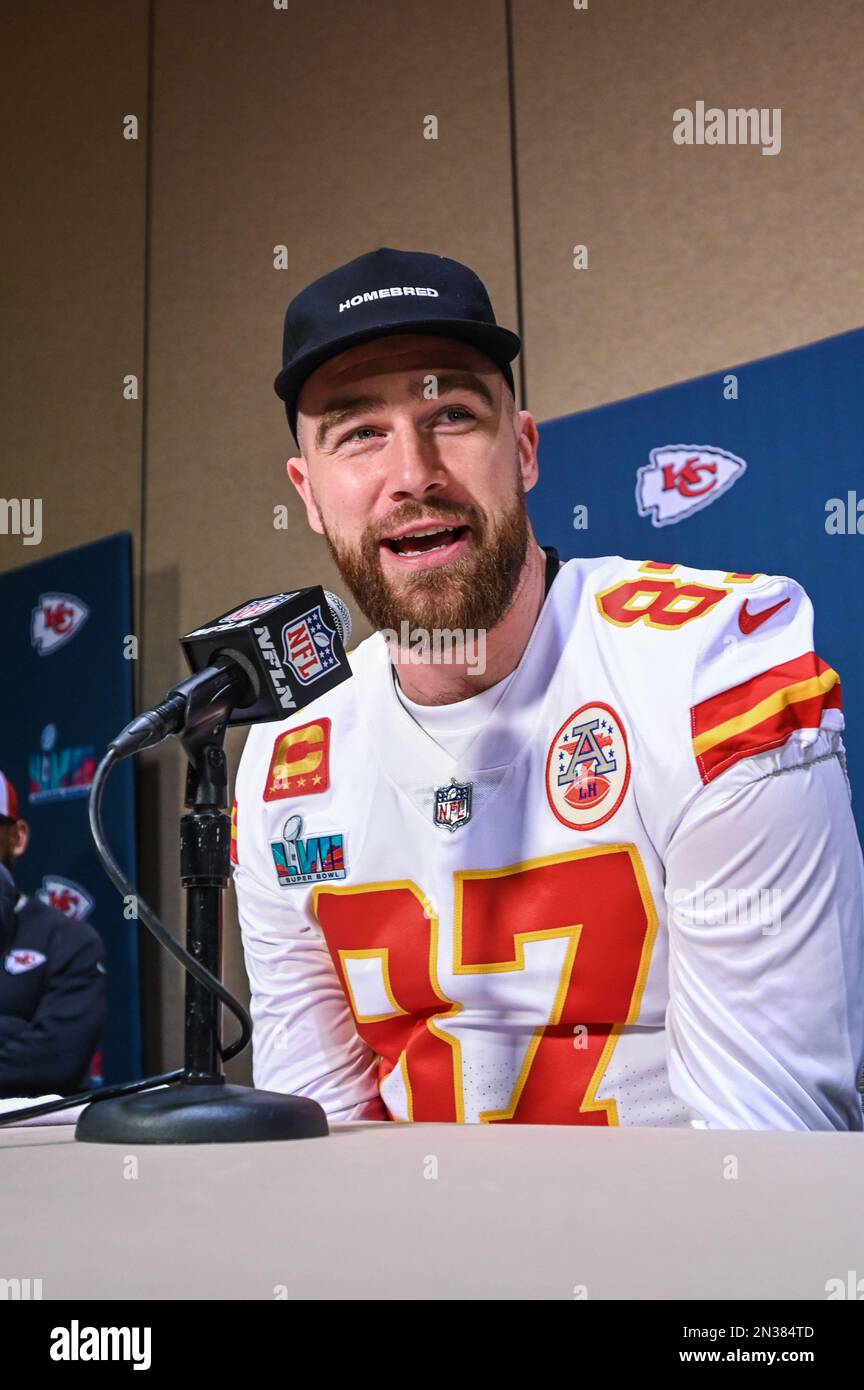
[472, 592]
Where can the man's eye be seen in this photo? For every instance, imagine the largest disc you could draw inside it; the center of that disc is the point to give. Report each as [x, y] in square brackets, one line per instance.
[449, 409]
[359, 430]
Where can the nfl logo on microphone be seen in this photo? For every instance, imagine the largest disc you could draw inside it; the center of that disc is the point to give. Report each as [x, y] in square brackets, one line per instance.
[308, 647]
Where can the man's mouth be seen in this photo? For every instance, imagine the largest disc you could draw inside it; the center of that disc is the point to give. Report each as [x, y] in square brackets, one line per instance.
[440, 541]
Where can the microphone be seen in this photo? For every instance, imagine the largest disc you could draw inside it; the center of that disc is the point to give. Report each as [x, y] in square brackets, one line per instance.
[262, 661]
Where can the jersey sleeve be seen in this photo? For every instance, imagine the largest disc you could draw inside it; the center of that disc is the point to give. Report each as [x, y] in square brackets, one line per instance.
[765, 883]
[758, 680]
[765, 912]
[304, 1041]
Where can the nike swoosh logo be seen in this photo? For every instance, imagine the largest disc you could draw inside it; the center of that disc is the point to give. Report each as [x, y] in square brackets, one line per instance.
[748, 622]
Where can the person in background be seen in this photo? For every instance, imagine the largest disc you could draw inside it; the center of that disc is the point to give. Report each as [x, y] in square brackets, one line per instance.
[52, 980]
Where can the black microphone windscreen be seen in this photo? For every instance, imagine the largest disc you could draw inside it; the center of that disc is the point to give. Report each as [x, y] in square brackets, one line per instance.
[294, 641]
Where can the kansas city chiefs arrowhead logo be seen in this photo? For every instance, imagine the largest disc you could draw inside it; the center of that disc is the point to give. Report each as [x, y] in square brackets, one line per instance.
[682, 479]
[66, 895]
[55, 619]
[18, 962]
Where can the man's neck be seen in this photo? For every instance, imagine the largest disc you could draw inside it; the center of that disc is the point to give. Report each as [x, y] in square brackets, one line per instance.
[428, 683]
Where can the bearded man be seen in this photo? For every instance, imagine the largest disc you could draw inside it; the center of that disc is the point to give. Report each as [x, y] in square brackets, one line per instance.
[600, 877]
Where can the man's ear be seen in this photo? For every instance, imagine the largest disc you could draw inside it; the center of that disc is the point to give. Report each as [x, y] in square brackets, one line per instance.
[528, 444]
[22, 838]
[298, 472]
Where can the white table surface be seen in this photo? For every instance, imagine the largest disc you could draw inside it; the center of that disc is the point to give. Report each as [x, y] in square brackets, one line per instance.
[515, 1212]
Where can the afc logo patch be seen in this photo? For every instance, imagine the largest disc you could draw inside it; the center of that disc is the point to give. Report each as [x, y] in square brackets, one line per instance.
[588, 767]
[300, 765]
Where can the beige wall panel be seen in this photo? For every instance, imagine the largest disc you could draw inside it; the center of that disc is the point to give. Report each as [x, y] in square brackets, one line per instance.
[73, 284]
[700, 256]
[305, 128]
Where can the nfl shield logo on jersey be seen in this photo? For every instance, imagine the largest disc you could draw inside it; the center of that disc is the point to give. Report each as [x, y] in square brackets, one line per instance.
[453, 804]
[588, 767]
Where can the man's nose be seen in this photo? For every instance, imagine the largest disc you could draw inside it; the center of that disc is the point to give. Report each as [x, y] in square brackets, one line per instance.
[414, 464]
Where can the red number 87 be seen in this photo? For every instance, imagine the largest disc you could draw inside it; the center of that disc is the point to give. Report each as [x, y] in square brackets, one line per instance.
[596, 900]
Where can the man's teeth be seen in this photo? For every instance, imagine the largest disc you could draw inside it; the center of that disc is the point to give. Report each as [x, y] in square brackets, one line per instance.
[402, 545]
[430, 549]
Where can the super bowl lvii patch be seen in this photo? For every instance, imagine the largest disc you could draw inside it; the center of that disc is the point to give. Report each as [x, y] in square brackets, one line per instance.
[300, 859]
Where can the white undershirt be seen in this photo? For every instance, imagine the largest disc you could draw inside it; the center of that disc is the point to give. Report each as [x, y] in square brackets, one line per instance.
[454, 726]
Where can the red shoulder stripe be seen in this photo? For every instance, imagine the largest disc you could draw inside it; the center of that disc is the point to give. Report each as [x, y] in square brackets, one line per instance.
[762, 712]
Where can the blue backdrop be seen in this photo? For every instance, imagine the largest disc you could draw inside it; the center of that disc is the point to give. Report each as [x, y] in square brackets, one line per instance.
[751, 469]
[64, 624]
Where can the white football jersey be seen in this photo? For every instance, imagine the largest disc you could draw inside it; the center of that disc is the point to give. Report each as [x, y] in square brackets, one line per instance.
[636, 897]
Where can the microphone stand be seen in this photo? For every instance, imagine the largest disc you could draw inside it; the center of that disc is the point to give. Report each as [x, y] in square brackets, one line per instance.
[202, 1107]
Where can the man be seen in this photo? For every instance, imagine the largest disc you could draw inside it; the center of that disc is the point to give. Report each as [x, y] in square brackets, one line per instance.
[611, 879]
[52, 980]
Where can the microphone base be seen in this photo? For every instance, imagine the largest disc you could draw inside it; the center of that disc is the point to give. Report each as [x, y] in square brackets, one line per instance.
[186, 1113]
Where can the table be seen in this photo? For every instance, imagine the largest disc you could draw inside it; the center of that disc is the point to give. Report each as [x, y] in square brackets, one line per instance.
[432, 1211]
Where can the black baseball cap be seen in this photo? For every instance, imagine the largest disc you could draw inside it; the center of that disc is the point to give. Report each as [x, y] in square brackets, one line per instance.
[383, 292]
